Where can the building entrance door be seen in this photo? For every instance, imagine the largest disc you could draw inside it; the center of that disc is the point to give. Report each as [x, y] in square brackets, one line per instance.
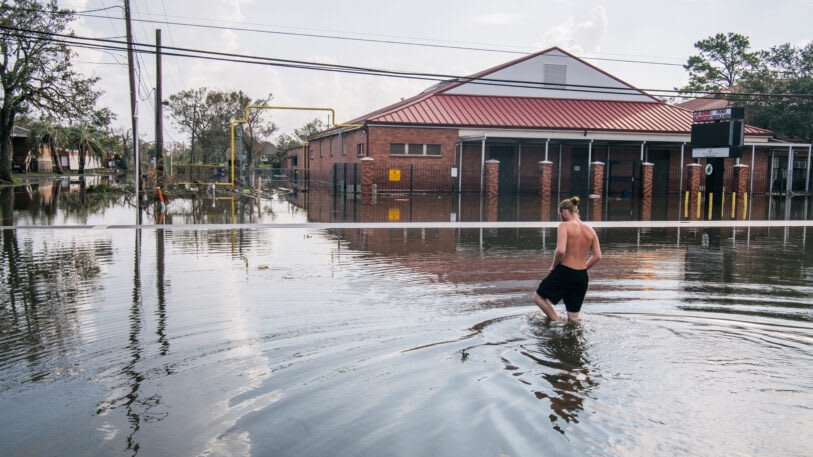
[579, 169]
[660, 172]
[622, 180]
[505, 155]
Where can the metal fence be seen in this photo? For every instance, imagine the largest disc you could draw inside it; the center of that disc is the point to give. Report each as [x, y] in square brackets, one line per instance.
[347, 178]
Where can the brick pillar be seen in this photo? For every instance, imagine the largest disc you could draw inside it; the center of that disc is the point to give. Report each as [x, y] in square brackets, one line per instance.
[741, 187]
[367, 178]
[492, 178]
[492, 207]
[596, 205]
[544, 209]
[545, 171]
[695, 170]
[597, 179]
[646, 179]
[492, 189]
[647, 170]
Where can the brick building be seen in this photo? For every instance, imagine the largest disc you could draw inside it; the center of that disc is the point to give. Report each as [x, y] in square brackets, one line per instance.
[554, 123]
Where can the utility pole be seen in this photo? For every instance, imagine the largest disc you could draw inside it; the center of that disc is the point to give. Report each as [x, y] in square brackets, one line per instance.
[133, 106]
[159, 115]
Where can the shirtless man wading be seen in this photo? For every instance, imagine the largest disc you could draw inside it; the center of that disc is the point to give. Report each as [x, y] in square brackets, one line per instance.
[567, 279]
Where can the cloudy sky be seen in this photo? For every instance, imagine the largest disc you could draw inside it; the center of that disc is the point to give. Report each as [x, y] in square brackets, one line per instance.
[642, 42]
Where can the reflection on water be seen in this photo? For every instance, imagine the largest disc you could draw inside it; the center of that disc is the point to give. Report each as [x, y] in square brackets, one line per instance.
[526, 208]
[63, 202]
[401, 341]
[66, 202]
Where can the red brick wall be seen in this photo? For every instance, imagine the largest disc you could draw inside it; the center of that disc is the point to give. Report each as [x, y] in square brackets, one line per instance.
[432, 173]
[324, 152]
[380, 138]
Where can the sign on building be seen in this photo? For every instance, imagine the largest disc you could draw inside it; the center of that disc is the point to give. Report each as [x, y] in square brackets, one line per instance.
[718, 133]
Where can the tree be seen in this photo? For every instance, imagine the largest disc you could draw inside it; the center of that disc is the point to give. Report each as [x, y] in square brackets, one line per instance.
[780, 97]
[87, 141]
[724, 60]
[207, 115]
[308, 130]
[183, 109]
[36, 72]
[45, 133]
[300, 138]
[256, 130]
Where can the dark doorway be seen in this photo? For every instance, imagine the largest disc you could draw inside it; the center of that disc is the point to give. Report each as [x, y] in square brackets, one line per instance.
[660, 172]
[579, 169]
[505, 155]
[622, 180]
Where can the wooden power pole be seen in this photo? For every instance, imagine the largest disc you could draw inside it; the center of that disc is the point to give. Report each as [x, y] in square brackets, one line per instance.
[159, 115]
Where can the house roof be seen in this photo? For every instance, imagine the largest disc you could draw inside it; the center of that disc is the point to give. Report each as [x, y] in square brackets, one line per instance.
[710, 101]
[19, 132]
[608, 105]
[535, 113]
[466, 111]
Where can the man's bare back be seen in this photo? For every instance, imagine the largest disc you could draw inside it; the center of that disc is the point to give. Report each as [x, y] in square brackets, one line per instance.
[574, 241]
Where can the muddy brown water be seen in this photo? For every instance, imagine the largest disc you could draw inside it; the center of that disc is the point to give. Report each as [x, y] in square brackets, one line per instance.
[367, 340]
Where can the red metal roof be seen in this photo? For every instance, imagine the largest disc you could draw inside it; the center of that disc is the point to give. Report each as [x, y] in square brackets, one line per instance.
[477, 111]
[437, 108]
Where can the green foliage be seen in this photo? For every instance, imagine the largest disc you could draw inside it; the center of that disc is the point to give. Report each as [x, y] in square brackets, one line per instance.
[43, 134]
[780, 97]
[36, 73]
[308, 130]
[723, 61]
[208, 114]
[775, 87]
[86, 140]
[298, 139]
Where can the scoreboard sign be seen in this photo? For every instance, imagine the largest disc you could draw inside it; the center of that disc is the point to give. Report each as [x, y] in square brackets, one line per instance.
[725, 114]
[718, 133]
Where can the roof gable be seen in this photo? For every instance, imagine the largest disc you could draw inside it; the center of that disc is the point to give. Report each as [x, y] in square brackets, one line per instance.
[552, 73]
[608, 104]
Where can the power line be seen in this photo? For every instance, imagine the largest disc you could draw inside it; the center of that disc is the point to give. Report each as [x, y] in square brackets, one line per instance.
[367, 40]
[90, 43]
[114, 45]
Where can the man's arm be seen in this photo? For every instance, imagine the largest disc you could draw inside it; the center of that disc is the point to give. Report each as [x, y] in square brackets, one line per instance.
[595, 252]
[561, 246]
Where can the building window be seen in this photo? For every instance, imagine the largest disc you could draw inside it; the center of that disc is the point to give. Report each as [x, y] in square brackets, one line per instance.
[310, 152]
[330, 147]
[555, 74]
[401, 149]
[321, 153]
[415, 149]
[360, 150]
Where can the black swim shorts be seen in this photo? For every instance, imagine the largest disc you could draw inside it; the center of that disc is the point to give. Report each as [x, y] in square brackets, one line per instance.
[566, 284]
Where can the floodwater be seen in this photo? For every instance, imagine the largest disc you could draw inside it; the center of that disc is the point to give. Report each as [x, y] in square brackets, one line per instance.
[306, 340]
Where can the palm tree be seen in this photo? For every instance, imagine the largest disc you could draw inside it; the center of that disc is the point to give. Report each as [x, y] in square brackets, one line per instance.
[45, 133]
[86, 140]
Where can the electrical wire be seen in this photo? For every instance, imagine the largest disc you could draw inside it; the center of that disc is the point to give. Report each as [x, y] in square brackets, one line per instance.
[368, 40]
[142, 48]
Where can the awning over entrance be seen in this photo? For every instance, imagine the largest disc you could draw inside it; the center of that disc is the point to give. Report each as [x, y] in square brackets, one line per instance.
[790, 160]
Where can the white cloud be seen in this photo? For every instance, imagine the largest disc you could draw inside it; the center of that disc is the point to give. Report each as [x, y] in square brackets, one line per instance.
[582, 37]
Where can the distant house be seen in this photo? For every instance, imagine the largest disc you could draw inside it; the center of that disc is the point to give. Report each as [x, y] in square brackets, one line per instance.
[23, 160]
[706, 102]
[267, 151]
[19, 149]
[69, 159]
[546, 107]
